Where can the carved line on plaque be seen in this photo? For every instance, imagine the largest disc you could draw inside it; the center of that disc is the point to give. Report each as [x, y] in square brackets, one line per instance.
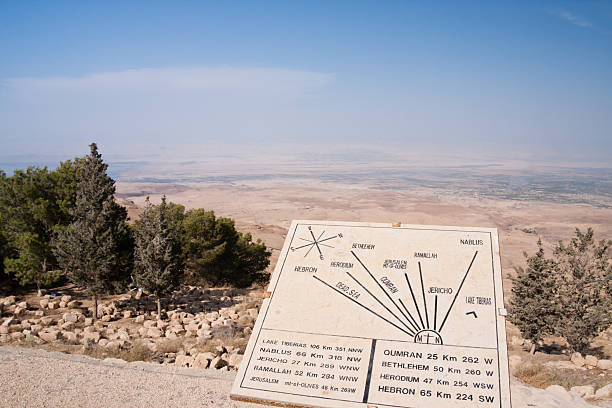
[422, 333]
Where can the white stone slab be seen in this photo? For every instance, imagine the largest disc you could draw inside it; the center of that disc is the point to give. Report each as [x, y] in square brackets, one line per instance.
[376, 315]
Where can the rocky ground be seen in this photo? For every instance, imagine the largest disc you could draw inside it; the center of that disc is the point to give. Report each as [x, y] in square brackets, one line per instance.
[200, 328]
[206, 330]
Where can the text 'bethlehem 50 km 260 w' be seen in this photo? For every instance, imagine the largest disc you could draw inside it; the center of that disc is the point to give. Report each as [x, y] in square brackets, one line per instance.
[368, 315]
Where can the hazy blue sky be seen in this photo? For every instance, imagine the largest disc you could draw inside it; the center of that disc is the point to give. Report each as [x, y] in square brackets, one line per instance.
[460, 76]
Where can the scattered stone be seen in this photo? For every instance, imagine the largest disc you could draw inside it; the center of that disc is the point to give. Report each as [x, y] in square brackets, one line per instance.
[184, 361]
[48, 335]
[91, 337]
[218, 363]
[585, 391]
[8, 301]
[17, 336]
[139, 319]
[604, 364]
[590, 361]
[53, 305]
[149, 323]
[70, 317]
[201, 361]
[69, 336]
[604, 392]
[44, 303]
[66, 298]
[220, 350]
[154, 332]
[23, 305]
[253, 313]
[577, 359]
[235, 360]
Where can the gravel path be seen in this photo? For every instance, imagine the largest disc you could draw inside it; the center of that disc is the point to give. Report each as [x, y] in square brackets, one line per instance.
[37, 378]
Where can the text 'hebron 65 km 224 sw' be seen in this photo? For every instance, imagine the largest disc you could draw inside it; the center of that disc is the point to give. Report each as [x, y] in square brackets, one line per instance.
[368, 315]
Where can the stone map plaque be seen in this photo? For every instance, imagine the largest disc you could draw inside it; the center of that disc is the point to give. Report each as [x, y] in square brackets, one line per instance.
[377, 315]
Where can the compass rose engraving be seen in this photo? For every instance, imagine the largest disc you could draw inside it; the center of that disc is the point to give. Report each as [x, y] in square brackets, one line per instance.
[313, 241]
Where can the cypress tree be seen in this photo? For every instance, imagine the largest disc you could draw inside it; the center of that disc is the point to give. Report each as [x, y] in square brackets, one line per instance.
[95, 249]
[534, 307]
[585, 282]
[158, 261]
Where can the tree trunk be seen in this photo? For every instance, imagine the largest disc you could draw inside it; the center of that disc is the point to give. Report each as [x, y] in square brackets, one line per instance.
[95, 312]
[533, 349]
[158, 308]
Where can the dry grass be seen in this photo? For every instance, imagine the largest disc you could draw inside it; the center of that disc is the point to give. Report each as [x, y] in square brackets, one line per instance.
[539, 376]
[252, 304]
[204, 346]
[171, 345]
[138, 352]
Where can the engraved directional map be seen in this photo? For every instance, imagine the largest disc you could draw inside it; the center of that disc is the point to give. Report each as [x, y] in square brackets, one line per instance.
[369, 315]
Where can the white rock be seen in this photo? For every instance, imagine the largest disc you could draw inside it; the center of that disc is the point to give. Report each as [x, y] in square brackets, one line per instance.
[150, 323]
[604, 364]
[235, 360]
[17, 336]
[604, 392]
[577, 359]
[69, 336]
[560, 392]
[184, 361]
[8, 301]
[48, 335]
[590, 361]
[201, 361]
[70, 317]
[585, 391]
[154, 332]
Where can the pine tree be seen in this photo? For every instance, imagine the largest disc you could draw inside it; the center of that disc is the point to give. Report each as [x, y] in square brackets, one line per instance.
[158, 261]
[29, 214]
[218, 254]
[95, 250]
[534, 307]
[585, 283]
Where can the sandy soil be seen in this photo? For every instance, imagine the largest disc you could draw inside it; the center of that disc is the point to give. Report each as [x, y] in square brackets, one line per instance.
[266, 208]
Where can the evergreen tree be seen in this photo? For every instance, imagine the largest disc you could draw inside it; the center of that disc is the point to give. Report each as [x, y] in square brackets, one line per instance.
[218, 254]
[95, 250]
[585, 283]
[29, 214]
[158, 261]
[534, 307]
